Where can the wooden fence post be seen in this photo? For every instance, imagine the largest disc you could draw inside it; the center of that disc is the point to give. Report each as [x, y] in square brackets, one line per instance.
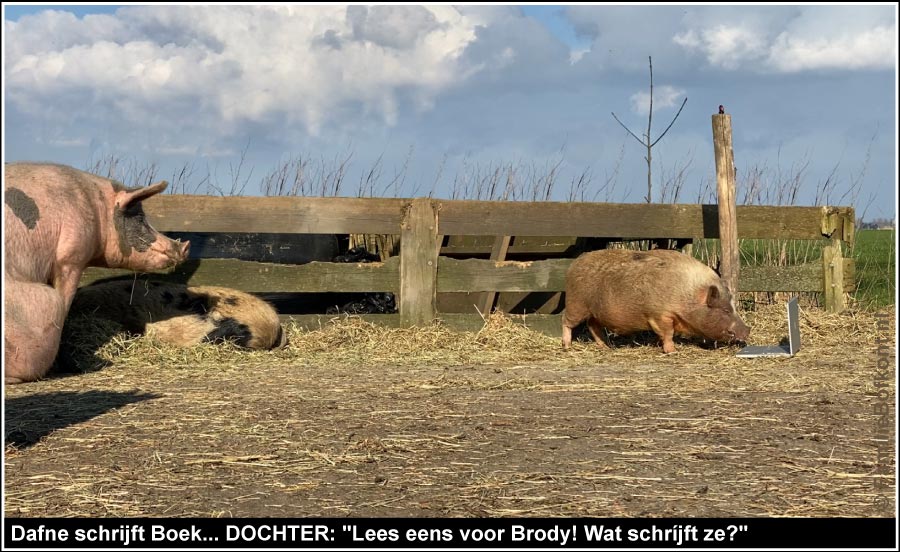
[833, 269]
[725, 179]
[840, 228]
[419, 249]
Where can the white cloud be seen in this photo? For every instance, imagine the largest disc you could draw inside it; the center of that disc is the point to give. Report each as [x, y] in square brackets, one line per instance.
[792, 39]
[724, 46]
[52, 31]
[868, 49]
[663, 97]
[395, 27]
[206, 84]
[623, 37]
[576, 54]
[230, 64]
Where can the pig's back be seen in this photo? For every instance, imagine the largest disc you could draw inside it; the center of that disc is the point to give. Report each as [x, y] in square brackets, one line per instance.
[50, 211]
[642, 282]
[41, 178]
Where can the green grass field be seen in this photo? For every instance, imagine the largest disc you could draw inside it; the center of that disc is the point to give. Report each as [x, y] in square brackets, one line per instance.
[874, 252]
[875, 256]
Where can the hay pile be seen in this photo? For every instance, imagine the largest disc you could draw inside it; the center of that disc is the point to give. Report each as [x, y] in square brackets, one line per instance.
[832, 338]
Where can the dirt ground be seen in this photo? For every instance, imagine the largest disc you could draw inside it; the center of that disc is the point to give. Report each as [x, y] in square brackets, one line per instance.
[623, 432]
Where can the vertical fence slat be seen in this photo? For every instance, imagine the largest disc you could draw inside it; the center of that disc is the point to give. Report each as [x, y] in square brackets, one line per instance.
[498, 253]
[419, 248]
[833, 270]
[840, 226]
[725, 178]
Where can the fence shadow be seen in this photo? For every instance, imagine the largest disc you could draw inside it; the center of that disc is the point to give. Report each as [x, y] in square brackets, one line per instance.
[30, 418]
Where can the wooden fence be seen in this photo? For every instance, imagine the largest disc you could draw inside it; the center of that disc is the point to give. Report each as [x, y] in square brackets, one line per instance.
[420, 271]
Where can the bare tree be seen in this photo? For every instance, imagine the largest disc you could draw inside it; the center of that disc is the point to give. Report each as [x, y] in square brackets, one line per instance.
[646, 142]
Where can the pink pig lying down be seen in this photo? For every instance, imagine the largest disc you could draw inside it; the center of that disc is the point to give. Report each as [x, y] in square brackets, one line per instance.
[58, 221]
[628, 291]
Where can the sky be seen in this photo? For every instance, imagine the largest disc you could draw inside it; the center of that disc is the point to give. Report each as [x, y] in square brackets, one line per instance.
[503, 101]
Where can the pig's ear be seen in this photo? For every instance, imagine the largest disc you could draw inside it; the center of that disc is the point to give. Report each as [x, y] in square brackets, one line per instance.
[712, 296]
[125, 197]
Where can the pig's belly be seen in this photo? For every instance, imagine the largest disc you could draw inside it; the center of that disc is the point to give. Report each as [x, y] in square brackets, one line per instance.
[623, 324]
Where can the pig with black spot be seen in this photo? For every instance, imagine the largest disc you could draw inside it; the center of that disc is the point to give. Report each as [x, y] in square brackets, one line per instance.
[59, 220]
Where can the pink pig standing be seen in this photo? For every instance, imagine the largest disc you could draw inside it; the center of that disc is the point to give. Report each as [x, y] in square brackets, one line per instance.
[59, 220]
[665, 291]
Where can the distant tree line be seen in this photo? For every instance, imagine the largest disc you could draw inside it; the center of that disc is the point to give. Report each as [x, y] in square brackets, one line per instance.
[875, 224]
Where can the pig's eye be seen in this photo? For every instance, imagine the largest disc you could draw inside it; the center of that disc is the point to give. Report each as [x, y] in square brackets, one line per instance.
[134, 210]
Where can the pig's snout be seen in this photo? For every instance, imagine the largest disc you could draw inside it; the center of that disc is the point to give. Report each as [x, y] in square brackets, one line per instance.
[183, 250]
[178, 252]
[167, 252]
[739, 331]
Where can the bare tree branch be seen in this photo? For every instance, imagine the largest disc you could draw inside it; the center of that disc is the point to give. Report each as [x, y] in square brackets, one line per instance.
[629, 130]
[670, 124]
[646, 142]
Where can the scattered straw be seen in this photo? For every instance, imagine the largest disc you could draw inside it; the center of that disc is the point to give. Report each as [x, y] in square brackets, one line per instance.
[360, 420]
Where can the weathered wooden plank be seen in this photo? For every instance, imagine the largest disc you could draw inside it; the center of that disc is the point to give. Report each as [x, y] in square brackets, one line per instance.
[614, 220]
[498, 253]
[419, 248]
[306, 215]
[849, 274]
[833, 276]
[838, 223]
[461, 246]
[469, 275]
[485, 275]
[317, 215]
[267, 277]
[510, 302]
[481, 275]
[725, 185]
[848, 225]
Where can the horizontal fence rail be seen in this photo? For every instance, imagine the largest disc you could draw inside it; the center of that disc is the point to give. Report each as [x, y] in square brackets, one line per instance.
[269, 277]
[298, 215]
[316, 215]
[425, 268]
[469, 275]
[630, 220]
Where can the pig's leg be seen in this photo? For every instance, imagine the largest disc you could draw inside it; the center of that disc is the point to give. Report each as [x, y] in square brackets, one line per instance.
[665, 329]
[66, 283]
[571, 318]
[34, 319]
[566, 336]
[597, 332]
